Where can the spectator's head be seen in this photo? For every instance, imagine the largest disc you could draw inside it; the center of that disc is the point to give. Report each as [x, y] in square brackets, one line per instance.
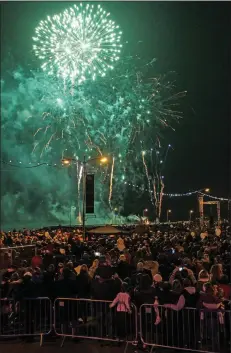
[102, 260]
[27, 276]
[70, 265]
[51, 268]
[122, 258]
[145, 282]
[140, 267]
[176, 286]
[85, 256]
[37, 271]
[11, 268]
[95, 263]
[84, 269]
[208, 288]
[166, 286]
[124, 287]
[187, 283]
[15, 277]
[157, 279]
[216, 272]
[203, 276]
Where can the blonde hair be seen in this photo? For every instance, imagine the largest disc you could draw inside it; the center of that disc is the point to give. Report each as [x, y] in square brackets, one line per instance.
[93, 268]
[153, 266]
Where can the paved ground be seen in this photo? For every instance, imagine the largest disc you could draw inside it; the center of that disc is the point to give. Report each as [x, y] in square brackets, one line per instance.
[54, 347]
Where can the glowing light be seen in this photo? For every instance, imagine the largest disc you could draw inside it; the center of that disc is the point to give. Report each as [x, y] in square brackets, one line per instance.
[66, 161]
[81, 42]
[104, 160]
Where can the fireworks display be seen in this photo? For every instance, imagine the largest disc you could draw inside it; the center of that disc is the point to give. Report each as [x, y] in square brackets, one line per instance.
[80, 43]
[121, 115]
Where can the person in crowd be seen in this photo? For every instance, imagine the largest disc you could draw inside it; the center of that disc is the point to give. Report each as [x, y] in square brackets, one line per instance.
[166, 266]
[144, 292]
[84, 283]
[65, 287]
[203, 277]
[217, 276]
[123, 308]
[93, 268]
[123, 268]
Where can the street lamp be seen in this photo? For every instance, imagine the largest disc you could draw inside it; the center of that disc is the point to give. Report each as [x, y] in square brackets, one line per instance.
[207, 190]
[190, 215]
[168, 212]
[145, 211]
[67, 162]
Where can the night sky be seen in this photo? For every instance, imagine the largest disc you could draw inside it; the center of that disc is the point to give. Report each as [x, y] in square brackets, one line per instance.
[192, 39]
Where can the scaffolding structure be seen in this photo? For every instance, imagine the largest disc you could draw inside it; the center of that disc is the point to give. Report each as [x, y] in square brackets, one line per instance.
[201, 208]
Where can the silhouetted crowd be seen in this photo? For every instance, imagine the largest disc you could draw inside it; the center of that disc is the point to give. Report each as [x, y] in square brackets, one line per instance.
[175, 266]
[173, 263]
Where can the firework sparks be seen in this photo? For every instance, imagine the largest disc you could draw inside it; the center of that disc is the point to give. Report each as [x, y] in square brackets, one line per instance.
[147, 175]
[111, 181]
[81, 42]
[119, 115]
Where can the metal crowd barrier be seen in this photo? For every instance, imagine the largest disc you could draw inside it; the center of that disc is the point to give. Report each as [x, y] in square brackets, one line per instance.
[94, 320]
[28, 317]
[16, 255]
[187, 329]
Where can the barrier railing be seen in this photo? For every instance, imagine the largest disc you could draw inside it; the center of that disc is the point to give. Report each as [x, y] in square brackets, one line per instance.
[188, 329]
[25, 318]
[15, 255]
[93, 319]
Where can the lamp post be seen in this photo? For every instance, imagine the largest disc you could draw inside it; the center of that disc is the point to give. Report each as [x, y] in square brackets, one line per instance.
[168, 212]
[145, 211]
[67, 162]
[190, 215]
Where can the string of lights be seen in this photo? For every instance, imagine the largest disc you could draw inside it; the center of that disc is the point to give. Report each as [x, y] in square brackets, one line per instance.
[190, 193]
[20, 165]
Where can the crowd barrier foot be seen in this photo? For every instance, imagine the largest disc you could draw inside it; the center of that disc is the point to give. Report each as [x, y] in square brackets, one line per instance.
[62, 342]
[41, 340]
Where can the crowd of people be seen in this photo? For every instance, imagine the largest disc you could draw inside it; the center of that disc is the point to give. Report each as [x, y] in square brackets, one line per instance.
[176, 266]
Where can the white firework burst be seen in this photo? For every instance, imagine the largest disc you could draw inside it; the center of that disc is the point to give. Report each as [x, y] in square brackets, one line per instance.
[82, 42]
